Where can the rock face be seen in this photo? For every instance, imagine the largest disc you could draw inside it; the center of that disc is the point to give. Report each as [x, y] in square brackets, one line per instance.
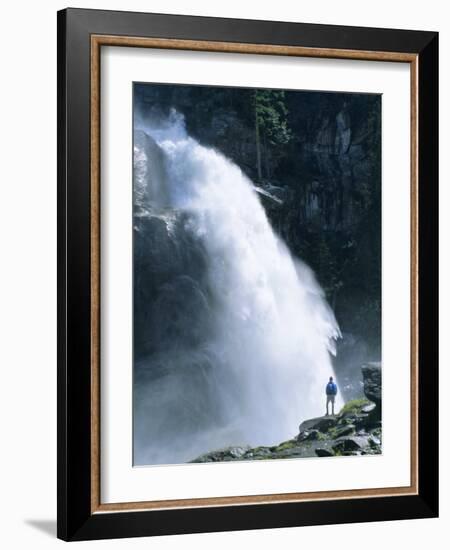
[321, 190]
[372, 387]
[356, 430]
[372, 382]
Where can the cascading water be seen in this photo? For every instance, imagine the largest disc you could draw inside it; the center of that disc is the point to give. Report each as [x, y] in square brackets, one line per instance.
[232, 334]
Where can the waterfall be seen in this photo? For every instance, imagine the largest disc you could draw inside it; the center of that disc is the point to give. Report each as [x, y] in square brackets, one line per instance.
[233, 334]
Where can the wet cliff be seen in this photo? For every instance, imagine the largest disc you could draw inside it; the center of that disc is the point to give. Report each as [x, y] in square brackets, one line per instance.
[316, 159]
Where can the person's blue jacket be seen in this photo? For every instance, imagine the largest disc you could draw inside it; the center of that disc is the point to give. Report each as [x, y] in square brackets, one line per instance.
[331, 388]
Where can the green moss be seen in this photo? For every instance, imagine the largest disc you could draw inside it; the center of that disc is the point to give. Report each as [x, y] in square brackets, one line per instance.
[286, 445]
[354, 406]
[332, 432]
[260, 449]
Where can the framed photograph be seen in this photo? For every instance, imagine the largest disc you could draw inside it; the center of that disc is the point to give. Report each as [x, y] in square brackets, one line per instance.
[247, 258]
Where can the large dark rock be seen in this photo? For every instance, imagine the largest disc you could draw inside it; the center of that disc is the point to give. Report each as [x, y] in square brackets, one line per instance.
[324, 452]
[372, 387]
[321, 423]
[345, 430]
[308, 435]
[372, 381]
[350, 444]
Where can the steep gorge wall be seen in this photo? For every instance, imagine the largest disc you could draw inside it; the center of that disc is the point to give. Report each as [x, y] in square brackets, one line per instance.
[327, 184]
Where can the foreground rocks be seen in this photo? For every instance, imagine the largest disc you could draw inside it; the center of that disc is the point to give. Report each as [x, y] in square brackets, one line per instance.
[356, 430]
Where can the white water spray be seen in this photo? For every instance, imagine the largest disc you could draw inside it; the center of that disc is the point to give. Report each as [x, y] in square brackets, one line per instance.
[271, 329]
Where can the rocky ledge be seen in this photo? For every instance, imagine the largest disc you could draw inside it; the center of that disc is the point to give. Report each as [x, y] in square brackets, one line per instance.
[355, 430]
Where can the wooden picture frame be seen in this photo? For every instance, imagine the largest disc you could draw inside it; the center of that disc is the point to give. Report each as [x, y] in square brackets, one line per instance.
[81, 35]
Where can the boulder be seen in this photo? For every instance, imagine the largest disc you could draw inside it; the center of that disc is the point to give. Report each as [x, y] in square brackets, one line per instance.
[372, 382]
[368, 408]
[364, 421]
[323, 452]
[345, 430]
[372, 389]
[313, 435]
[321, 423]
[350, 444]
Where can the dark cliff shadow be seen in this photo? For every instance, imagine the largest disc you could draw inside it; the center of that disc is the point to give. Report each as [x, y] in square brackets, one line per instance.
[46, 526]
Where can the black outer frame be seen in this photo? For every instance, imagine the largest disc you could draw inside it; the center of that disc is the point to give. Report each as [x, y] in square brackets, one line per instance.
[75, 521]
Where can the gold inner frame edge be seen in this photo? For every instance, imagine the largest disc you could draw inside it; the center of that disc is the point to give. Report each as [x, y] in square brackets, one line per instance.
[264, 49]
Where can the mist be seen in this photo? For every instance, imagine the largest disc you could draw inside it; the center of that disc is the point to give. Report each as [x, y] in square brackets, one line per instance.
[233, 335]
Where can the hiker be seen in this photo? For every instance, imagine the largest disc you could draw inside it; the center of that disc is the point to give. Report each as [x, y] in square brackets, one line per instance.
[331, 391]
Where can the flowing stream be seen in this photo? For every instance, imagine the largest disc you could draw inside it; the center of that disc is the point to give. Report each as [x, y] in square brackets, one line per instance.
[233, 335]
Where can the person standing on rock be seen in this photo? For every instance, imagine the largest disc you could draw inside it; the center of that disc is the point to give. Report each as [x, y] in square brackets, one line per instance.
[331, 391]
